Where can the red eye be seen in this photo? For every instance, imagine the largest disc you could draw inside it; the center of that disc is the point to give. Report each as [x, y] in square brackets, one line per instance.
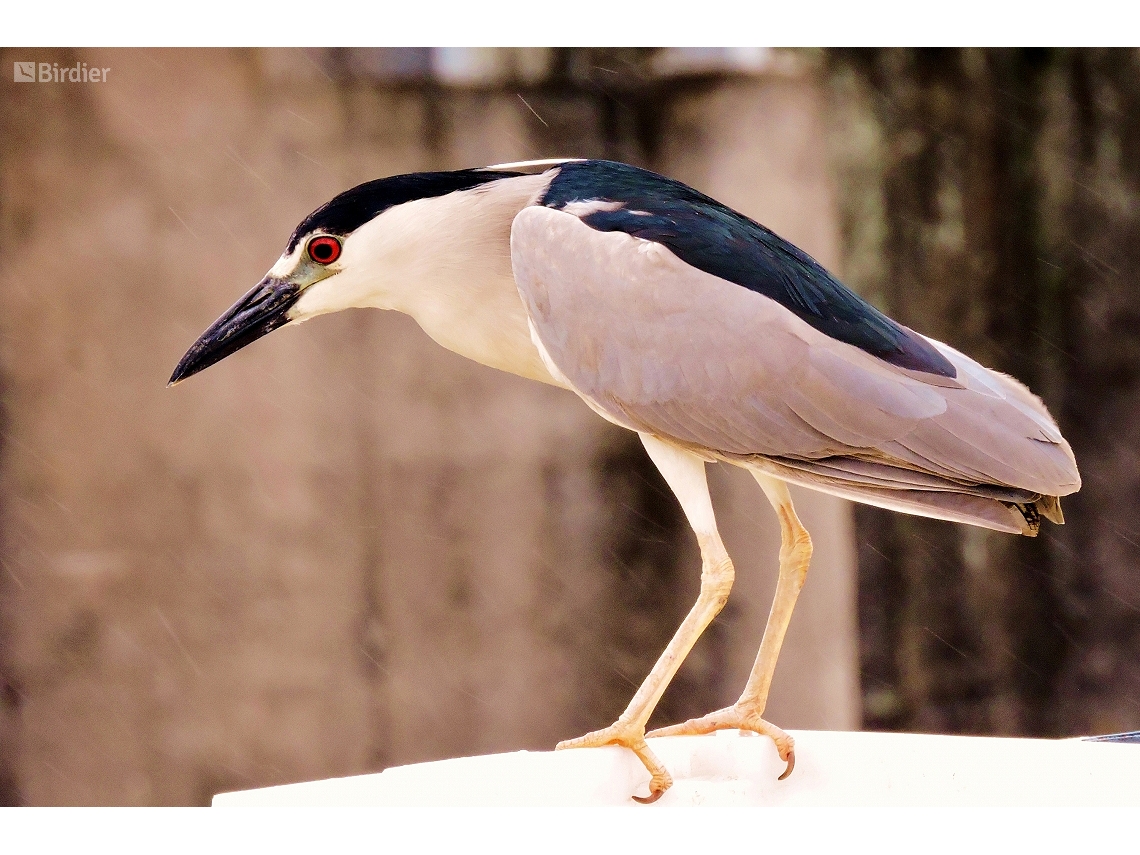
[324, 250]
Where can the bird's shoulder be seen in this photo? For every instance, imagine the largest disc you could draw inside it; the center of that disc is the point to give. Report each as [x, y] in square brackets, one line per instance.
[713, 238]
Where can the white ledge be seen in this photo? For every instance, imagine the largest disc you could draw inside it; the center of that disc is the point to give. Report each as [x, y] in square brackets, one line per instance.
[832, 769]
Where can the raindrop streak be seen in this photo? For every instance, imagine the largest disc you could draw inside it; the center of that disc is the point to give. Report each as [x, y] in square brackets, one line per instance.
[312, 160]
[233, 155]
[12, 440]
[385, 671]
[1120, 600]
[947, 643]
[625, 677]
[12, 573]
[1050, 344]
[316, 65]
[1116, 530]
[241, 246]
[523, 145]
[521, 98]
[1093, 258]
[1021, 662]
[302, 118]
[174, 636]
[184, 225]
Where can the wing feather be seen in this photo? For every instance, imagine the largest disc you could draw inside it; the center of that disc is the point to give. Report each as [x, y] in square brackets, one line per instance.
[672, 350]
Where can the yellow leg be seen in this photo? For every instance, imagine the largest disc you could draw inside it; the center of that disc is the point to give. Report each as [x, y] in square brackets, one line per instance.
[685, 474]
[745, 714]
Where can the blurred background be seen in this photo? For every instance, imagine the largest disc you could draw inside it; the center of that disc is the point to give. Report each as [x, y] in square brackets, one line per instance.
[345, 548]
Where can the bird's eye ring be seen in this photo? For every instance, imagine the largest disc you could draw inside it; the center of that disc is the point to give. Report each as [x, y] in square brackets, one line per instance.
[324, 249]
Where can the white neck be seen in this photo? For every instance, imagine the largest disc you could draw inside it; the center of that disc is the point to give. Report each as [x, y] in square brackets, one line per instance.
[446, 261]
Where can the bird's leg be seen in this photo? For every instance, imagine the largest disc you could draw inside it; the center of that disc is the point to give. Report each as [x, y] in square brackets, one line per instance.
[795, 555]
[685, 474]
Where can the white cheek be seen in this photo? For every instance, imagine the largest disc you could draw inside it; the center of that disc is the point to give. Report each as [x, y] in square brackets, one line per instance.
[347, 289]
[318, 299]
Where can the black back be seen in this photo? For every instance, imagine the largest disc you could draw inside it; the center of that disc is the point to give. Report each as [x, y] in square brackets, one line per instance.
[716, 239]
[345, 213]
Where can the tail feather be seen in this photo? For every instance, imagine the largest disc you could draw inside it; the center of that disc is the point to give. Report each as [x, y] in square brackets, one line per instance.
[1016, 513]
[1050, 508]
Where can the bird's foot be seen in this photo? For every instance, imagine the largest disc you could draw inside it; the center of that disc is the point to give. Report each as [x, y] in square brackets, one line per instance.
[736, 717]
[632, 737]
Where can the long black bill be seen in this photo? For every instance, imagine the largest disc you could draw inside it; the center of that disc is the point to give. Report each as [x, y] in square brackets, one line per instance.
[260, 311]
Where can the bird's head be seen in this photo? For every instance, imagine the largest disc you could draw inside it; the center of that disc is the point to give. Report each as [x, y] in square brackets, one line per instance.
[309, 265]
[367, 247]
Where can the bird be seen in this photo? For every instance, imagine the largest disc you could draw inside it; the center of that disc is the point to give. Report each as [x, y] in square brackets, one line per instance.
[714, 339]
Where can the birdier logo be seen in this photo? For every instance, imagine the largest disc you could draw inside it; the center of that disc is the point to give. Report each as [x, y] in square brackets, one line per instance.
[51, 72]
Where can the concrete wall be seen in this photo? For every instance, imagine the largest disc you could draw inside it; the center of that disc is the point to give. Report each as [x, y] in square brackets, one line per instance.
[992, 200]
[343, 548]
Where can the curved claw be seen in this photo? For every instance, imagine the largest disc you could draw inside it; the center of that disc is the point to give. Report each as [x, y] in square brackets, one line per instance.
[738, 718]
[631, 737]
[653, 796]
[791, 758]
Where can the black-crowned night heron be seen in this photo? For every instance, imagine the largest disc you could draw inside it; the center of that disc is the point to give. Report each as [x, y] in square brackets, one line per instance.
[714, 339]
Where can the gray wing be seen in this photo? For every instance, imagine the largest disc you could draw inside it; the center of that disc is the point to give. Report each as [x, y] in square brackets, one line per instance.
[664, 348]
